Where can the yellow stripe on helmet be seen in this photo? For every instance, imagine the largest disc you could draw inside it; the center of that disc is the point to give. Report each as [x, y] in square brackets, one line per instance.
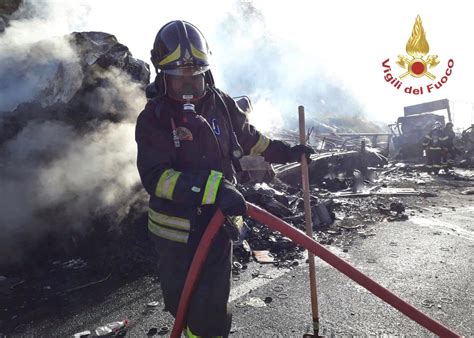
[172, 57]
[197, 53]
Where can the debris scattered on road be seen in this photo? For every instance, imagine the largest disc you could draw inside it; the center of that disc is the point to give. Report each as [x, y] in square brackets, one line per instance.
[163, 330]
[153, 304]
[446, 300]
[74, 264]
[82, 334]
[255, 302]
[278, 288]
[111, 328]
[468, 192]
[151, 332]
[282, 295]
[263, 256]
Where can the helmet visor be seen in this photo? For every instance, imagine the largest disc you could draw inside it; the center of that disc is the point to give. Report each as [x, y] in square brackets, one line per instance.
[186, 71]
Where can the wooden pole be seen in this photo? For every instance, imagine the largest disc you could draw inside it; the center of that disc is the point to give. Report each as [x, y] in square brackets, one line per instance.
[309, 224]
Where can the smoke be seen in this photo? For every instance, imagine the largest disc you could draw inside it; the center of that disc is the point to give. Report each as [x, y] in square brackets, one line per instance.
[67, 127]
[252, 54]
[58, 179]
[276, 73]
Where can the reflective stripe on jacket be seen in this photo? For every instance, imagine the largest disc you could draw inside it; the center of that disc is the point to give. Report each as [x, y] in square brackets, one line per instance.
[183, 180]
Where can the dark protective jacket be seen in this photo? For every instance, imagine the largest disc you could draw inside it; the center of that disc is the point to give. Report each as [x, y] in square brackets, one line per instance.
[448, 138]
[435, 139]
[182, 177]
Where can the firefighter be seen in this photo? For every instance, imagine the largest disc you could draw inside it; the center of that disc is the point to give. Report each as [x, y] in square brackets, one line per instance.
[432, 145]
[448, 151]
[190, 137]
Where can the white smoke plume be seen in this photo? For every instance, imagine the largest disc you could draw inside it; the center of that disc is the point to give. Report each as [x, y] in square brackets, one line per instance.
[61, 168]
[56, 179]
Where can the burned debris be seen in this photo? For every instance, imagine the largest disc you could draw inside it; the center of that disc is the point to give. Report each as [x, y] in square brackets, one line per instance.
[353, 186]
[77, 118]
[464, 146]
[334, 221]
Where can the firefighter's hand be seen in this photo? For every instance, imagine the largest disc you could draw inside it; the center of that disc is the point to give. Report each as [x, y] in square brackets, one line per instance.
[298, 150]
[230, 200]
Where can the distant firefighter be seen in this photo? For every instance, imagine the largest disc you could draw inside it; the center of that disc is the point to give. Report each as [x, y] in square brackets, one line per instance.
[448, 149]
[432, 144]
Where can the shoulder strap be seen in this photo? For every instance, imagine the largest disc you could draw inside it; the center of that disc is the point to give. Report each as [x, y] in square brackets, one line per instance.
[156, 104]
[236, 148]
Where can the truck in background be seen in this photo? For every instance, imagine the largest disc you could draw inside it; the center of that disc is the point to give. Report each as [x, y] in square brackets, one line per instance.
[409, 130]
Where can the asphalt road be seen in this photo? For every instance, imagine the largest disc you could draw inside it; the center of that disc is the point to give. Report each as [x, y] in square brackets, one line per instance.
[427, 260]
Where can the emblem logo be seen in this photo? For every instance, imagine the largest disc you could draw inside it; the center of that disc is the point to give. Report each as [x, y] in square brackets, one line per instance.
[184, 134]
[417, 47]
[417, 64]
[187, 58]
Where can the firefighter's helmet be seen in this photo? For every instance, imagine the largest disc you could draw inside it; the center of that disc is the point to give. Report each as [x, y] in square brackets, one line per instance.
[180, 49]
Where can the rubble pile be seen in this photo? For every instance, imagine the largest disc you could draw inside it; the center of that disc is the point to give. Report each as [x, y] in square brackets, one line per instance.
[465, 148]
[345, 208]
[68, 167]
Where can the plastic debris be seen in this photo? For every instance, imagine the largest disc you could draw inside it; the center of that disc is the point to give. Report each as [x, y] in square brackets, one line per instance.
[164, 330]
[82, 334]
[427, 303]
[263, 256]
[255, 302]
[446, 300]
[468, 192]
[110, 328]
[282, 295]
[278, 288]
[153, 304]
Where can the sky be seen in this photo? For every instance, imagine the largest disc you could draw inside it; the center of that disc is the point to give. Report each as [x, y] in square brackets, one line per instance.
[326, 55]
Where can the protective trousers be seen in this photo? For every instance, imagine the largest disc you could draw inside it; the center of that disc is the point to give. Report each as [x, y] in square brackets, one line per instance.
[208, 314]
[433, 159]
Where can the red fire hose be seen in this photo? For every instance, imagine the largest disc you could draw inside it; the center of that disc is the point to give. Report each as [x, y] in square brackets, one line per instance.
[311, 245]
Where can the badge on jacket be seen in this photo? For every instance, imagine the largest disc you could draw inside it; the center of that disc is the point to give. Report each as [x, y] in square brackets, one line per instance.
[184, 134]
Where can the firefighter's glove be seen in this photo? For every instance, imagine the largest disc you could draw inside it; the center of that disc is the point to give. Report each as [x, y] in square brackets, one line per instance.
[233, 226]
[298, 150]
[230, 200]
